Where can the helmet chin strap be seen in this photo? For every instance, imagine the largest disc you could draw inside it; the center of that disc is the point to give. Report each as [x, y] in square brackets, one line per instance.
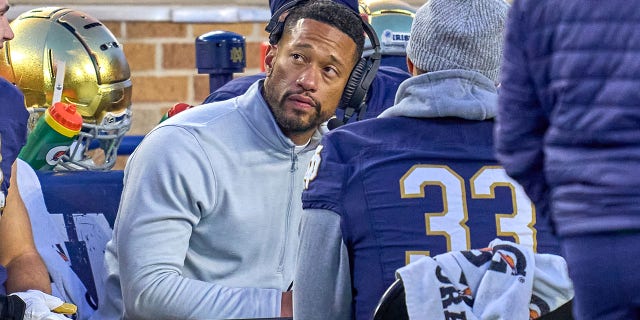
[58, 86]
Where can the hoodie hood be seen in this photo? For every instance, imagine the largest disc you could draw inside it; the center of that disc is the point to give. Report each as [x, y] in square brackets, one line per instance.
[449, 93]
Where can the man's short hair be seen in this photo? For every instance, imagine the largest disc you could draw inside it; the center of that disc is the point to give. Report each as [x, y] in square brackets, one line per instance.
[274, 5]
[333, 14]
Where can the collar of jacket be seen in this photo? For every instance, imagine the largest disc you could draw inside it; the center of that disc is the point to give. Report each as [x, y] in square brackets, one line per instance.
[255, 110]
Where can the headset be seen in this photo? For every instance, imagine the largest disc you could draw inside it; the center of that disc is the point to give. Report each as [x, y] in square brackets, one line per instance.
[353, 96]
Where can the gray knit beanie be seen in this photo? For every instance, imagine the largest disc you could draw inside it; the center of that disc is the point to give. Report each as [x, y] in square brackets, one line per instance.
[459, 34]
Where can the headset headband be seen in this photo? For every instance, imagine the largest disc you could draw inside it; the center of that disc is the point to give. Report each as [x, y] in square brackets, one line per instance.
[278, 16]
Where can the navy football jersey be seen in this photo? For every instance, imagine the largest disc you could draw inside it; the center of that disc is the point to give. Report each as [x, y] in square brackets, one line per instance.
[13, 132]
[409, 187]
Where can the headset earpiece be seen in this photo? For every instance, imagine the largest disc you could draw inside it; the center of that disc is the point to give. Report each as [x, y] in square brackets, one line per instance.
[353, 83]
[355, 92]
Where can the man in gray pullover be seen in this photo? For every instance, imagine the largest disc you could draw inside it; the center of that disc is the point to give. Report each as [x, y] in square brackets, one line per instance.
[208, 220]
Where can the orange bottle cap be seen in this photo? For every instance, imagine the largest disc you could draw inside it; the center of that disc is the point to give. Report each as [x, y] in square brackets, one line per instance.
[66, 115]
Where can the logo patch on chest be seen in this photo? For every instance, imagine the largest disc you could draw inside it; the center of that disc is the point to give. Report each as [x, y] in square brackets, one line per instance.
[312, 170]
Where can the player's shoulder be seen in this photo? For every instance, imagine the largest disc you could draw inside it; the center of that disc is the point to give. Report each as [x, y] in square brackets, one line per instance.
[391, 72]
[354, 132]
[241, 84]
[233, 88]
[12, 104]
[10, 95]
[354, 138]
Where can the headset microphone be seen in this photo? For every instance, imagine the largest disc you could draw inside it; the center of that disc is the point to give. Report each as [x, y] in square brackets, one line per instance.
[348, 113]
[334, 123]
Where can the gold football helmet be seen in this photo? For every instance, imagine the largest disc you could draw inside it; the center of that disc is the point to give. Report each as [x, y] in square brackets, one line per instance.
[70, 46]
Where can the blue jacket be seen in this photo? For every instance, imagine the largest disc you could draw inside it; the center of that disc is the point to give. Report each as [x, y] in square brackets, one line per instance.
[380, 96]
[13, 132]
[568, 126]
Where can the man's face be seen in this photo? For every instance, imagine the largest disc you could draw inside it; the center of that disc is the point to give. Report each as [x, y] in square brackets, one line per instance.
[306, 73]
[5, 29]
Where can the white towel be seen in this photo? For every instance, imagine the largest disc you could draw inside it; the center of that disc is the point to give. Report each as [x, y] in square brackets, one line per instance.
[505, 281]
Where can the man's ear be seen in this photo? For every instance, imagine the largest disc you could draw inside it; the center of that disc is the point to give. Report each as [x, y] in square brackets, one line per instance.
[269, 58]
[410, 66]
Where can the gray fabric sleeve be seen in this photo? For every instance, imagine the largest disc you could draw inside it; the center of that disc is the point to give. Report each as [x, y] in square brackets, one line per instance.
[166, 193]
[322, 281]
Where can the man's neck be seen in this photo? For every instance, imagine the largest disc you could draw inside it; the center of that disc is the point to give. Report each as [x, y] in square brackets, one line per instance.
[300, 139]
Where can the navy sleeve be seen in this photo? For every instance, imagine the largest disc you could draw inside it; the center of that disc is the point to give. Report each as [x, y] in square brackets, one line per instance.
[13, 131]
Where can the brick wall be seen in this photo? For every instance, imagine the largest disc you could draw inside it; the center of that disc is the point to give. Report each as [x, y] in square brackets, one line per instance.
[161, 56]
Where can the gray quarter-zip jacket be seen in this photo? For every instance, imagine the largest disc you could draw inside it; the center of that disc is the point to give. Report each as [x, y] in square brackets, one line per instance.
[208, 220]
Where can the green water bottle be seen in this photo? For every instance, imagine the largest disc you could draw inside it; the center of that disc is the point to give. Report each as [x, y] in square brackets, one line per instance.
[51, 137]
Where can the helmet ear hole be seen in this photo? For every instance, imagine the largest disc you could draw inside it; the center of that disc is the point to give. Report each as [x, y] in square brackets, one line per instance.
[96, 78]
